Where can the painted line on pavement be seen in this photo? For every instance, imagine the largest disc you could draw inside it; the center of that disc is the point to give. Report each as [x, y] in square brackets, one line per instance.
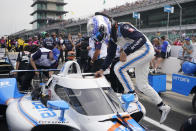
[157, 124]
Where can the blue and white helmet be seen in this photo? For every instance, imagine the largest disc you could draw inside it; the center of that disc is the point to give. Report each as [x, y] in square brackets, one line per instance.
[99, 28]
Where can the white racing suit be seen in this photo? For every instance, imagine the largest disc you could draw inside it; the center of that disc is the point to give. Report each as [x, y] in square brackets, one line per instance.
[139, 52]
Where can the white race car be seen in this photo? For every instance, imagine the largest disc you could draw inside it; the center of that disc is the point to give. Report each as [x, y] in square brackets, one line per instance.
[70, 102]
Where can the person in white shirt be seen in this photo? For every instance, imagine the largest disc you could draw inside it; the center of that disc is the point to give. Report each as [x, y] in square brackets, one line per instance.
[97, 54]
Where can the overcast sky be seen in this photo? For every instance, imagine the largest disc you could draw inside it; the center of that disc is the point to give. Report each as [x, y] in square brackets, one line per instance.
[15, 14]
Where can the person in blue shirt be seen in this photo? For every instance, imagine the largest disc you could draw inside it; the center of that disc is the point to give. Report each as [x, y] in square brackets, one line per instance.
[164, 45]
[136, 52]
[163, 53]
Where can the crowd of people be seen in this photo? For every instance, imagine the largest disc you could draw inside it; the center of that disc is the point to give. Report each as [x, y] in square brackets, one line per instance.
[132, 5]
[118, 9]
[86, 53]
[180, 42]
[161, 50]
[49, 50]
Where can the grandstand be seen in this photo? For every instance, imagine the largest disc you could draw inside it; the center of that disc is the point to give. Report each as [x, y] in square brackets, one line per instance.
[153, 18]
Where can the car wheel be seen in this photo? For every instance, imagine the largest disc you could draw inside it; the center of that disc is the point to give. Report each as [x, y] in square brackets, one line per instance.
[194, 103]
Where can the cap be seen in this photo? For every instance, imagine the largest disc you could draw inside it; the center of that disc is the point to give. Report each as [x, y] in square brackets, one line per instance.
[56, 53]
[188, 39]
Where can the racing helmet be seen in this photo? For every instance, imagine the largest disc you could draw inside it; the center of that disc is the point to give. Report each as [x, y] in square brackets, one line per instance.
[99, 27]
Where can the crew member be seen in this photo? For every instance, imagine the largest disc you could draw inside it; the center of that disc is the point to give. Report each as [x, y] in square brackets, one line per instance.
[41, 59]
[48, 42]
[22, 63]
[69, 48]
[99, 55]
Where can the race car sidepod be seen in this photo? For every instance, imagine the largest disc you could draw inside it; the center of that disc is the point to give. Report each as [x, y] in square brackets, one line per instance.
[8, 90]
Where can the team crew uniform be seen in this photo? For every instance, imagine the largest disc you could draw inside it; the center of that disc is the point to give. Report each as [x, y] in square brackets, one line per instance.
[83, 53]
[69, 47]
[23, 60]
[97, 64]
[42, 61]
[48, 43]
[136, 52]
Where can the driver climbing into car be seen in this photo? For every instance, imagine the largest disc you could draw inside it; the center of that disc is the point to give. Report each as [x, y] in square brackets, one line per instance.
[41, 59]
[136, 52]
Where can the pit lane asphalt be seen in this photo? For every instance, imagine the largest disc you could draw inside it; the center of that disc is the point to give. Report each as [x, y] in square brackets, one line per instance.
[174, 120]
[181, 108]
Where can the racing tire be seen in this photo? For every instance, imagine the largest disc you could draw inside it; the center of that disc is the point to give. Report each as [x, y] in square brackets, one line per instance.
[194, 103]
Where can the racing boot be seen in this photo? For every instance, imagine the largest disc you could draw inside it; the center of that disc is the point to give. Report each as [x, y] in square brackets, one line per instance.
[164, 109]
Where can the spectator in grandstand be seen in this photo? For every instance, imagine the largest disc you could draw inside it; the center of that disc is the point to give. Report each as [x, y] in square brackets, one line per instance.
[48, 42]
[157, 47]
[69, 48]
[177, 42]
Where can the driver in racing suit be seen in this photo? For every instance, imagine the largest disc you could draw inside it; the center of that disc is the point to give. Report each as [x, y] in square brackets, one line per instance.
[136, 51]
